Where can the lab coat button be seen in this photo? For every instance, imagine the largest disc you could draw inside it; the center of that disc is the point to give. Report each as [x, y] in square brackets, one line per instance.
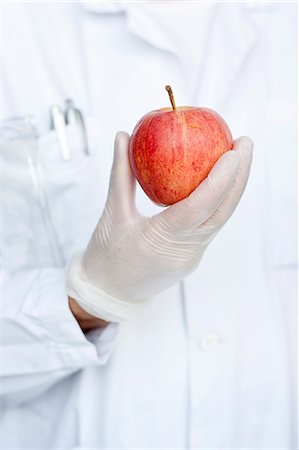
[209, 342]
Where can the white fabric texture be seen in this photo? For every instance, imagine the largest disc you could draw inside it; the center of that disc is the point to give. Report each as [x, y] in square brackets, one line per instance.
[209, 363]
[42, 322]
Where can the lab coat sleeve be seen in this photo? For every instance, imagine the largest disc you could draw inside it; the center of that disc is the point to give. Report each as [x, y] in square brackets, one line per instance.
[42, 342]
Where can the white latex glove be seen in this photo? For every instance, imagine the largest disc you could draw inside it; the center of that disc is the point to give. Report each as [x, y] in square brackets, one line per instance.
[131, 258]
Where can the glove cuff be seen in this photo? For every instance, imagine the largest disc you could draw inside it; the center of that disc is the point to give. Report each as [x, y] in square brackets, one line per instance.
[95, 301]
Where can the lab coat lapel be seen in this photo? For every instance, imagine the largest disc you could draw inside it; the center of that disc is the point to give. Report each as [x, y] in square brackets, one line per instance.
[231, 38]
[222, 56]
[102, 7]
[142, 21]
[230, 42]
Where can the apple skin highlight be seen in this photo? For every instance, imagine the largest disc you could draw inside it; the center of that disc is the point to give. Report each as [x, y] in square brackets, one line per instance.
[173, 150]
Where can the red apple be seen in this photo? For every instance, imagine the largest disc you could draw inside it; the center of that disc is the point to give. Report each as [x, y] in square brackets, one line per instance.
[172, 150]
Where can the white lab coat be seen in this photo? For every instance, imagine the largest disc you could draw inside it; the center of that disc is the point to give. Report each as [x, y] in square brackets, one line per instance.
[214, 368]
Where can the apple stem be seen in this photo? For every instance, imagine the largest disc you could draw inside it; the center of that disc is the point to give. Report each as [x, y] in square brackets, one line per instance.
[171, 97]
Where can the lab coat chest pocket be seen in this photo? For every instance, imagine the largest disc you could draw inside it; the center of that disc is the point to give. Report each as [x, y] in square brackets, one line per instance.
[282, 176]
[75, 189]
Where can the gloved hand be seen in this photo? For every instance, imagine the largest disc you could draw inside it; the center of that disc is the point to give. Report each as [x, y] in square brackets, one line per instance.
[131, 258]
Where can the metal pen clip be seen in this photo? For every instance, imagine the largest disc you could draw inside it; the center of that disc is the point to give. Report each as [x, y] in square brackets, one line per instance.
[58, 123]
[74, 115]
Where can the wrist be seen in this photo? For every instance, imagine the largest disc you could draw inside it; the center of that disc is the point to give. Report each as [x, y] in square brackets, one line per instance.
[85, 320]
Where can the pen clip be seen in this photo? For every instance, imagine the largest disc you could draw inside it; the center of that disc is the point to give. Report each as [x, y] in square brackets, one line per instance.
[73, 112]
[58, 123]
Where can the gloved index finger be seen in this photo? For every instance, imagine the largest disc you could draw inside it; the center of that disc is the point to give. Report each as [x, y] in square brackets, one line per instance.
[204, 200]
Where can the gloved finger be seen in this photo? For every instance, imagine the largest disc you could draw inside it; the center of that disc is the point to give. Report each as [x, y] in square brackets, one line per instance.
[244, 147]
[204, 200]
[122, 186]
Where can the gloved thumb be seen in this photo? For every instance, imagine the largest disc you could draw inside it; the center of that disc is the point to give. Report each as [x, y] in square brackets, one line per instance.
[122, 186]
